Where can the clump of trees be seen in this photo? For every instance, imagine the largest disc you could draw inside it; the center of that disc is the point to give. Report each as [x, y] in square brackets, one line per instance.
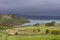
[50, 24]
[55, 32]
[37, 25]
[52, 32]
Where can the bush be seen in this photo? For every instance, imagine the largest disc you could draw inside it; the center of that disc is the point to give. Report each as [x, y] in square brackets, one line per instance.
[47, 31]
[55, 32]
[36, 30]
[54, 39]
[16, 33]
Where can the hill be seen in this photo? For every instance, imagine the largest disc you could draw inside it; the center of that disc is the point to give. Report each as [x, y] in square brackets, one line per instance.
[11, 20]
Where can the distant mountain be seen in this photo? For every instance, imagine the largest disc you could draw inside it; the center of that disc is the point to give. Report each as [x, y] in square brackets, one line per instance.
[39, 17]
[11, 20]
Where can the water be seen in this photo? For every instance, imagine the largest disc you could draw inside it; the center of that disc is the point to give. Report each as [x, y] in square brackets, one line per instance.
[40, 21]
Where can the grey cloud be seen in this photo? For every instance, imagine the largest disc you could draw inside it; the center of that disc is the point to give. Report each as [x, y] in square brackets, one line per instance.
[39, 7]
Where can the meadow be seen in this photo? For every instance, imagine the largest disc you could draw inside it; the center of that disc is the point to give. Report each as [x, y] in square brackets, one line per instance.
[36, 36]
[30, 37]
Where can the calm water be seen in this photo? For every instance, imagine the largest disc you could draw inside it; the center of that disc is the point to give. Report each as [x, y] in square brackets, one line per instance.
[40, 21]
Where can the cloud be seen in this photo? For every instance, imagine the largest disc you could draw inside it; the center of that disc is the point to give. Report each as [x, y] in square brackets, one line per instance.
[39, 7]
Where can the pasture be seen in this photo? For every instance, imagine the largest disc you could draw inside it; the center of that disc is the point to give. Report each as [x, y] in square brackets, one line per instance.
[30, 37]
[37, 36]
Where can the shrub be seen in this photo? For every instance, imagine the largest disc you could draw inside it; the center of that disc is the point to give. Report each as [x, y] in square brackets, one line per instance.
[54, 39]
[55, 32]
[47, 31]
[36, 30]
[16, 33]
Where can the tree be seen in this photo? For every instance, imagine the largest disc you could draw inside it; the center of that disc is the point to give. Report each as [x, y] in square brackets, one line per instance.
[53, 23]
[50, 24]
[37, 25]
[47, 31]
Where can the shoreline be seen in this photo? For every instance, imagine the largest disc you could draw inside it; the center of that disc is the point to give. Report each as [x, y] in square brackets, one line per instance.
[32, 21]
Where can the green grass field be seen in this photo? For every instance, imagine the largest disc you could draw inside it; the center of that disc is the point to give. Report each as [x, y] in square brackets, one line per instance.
[42, 28]
[32, 37]
[36, 37]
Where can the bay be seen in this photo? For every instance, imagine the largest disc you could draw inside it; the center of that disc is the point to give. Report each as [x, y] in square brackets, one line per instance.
[40, 21]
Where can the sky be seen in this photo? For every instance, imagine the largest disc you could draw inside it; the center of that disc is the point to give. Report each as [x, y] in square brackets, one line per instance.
[31, 7]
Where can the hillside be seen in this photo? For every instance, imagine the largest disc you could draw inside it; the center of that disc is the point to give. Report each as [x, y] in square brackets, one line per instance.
[11, 20]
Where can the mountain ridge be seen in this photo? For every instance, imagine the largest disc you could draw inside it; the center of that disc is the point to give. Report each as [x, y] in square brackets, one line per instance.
[39, 17]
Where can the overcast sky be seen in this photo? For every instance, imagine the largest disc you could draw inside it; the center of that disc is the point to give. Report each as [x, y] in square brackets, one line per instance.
[31, 7]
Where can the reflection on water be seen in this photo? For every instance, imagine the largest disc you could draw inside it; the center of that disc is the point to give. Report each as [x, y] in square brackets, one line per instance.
[40, 21]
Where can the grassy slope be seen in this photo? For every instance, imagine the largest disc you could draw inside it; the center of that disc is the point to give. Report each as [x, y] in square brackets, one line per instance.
[33, 37]
[12, 20]
[42, 27]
